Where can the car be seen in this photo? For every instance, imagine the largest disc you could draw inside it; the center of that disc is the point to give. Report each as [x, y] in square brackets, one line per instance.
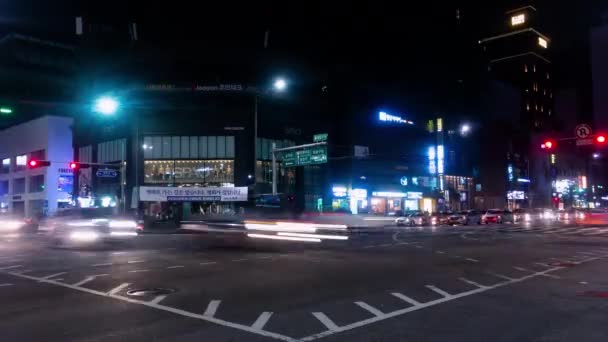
[14, 224]
[90, 226]
[493, 216]
[524, 215]
[465, 217]
[412, 219]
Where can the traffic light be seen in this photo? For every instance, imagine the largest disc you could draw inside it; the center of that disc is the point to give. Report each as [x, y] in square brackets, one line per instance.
[34, 164]
[547, 145]
[600, 139]
[77, 165]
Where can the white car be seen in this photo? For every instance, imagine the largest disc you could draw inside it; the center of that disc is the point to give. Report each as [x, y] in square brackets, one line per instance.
[79, 226]
[415, 219]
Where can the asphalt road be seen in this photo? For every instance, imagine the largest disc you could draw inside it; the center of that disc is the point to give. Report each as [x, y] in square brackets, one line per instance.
[478, 283]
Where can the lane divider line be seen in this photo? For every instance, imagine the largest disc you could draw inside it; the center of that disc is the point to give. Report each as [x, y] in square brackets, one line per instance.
[438, 290]
[176, 266]
[473, 283]
[472, 260]
[53, 275]
[9, 267]
[117, 289]
[104, 264]
[157, 299]
[328, 323]
[88, 279]
[262, 320]
[370, 309]
[162, 308]
[501, 276]
[212, 308]
[6, 284]
[406, 298]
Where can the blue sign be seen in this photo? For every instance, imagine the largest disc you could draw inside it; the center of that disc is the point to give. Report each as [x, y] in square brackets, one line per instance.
[106, 173]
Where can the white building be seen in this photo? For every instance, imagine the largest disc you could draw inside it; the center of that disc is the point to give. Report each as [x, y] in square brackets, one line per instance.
[31, 192]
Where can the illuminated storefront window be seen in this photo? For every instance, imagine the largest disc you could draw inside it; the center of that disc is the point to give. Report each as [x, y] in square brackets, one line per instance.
[207, 172]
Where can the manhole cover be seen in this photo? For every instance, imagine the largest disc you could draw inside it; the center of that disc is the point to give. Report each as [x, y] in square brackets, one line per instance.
[595, 294]
[153, 291]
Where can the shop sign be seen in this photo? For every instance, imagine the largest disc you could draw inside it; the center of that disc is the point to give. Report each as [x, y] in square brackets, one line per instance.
[403, 181]
[414, 195]
[389, 194]
[339, 191]
[515, 195]
[358, 193]
[192, 194]
[319, 137]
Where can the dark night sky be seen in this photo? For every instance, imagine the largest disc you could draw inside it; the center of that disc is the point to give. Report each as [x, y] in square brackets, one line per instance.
[379, 48]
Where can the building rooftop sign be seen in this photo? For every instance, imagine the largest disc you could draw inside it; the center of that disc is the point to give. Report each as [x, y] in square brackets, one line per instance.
[385, 117]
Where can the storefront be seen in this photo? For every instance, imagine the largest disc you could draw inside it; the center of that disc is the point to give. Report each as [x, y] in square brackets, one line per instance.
[386, 202]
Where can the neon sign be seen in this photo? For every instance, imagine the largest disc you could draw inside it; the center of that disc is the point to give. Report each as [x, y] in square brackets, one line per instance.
[385, 117]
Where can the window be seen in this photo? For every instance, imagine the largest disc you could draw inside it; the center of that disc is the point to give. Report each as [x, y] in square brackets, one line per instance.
[188, 147]
[21, 162]
[525, 67]
[36, 183]
[518, 19]
[3, 188]
[6, 165]
[18, 186]
[208, 172]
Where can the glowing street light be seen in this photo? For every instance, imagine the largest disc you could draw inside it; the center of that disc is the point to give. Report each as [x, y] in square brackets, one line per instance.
[106, 105]
[465, 129]
[280, 84]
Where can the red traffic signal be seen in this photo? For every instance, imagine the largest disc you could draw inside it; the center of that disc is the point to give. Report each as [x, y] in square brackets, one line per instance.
[600, 139]
[77, 165]
[34, 164]
[547, 145]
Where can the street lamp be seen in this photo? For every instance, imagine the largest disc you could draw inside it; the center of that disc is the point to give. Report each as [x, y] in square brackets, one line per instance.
[106, 105]
[280, 84]
[465, 129]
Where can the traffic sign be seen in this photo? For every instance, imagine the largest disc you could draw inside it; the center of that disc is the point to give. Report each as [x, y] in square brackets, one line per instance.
[584, 142]
[319, 137]
[106, 173]
[583, 131]
[308, 156]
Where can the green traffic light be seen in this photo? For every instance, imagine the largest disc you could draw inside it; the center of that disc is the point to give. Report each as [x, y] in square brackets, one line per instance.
[5, 110]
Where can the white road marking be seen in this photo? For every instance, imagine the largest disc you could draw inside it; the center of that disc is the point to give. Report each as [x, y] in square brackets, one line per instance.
[157, 299]
[440, 252]
[54, 275]
[370, 246]
[134, 261]
[265, 257]
[328, 323]
[105, 264]
[501, 276]
[583, 282]
[406, 298]
[212, 308]
[208, 263]
[262, 320]
[168, 309]
[473, 283]
[521, 269]
[370, 309]
[176, 266]
[9, 267]
[26, 271]
[542, 264]
[138, 271]
[472, 260]
[240, 260]
[438, 290]
[118, 289]
[89, 278]
[551, 276]
[6, 284]
[116, 253]
[385, 245]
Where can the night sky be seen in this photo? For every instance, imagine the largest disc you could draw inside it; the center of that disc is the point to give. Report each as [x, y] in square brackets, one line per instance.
[392, 54]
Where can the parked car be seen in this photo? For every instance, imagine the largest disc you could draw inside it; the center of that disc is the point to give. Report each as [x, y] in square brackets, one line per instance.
[496, 216]
[89, 226]
[413, 219]
[465, 217]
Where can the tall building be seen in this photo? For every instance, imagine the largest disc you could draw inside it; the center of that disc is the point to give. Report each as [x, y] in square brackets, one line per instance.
[519, 69]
